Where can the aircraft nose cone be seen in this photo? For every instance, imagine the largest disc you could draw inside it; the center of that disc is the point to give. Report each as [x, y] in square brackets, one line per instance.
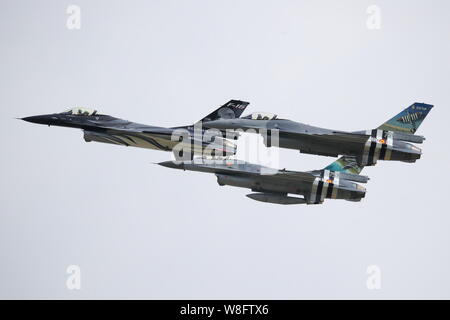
[44, 119]
[171, 164]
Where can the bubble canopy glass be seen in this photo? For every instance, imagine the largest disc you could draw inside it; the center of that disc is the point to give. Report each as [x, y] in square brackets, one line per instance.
[261, 116]
[77, 111]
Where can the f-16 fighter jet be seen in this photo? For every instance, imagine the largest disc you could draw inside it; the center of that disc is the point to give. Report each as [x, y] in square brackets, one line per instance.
[389, 141]
[104, 128]
[336, 181]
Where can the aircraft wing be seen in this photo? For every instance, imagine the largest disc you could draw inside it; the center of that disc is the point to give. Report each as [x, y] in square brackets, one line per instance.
[329, 136]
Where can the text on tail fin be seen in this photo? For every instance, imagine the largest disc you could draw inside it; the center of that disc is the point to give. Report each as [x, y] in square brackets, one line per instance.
[409, 119]
[230, 110]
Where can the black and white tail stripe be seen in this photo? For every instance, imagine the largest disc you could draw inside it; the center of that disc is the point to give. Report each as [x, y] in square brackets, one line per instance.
[383, 149]
[324, 187]
[377, 147]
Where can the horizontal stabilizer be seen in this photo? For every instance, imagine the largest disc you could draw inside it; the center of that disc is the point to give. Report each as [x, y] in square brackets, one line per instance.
[408, 137]
[353, 177]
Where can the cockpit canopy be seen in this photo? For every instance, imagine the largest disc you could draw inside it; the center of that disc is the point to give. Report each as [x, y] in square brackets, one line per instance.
[261, 116]
[78, 111]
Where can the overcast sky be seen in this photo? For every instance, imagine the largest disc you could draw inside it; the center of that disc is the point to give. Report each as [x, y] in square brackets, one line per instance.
[138, 230]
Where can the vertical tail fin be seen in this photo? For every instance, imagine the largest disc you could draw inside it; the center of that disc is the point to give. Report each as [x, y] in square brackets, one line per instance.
[230, 110]
[346, 164]
[408, 120]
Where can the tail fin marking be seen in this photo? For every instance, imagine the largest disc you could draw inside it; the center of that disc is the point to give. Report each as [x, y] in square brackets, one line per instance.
[347, 164]
[230, 110]
[408, 120]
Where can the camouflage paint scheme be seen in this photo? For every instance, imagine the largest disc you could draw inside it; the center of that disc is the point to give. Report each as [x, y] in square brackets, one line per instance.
[107, 129]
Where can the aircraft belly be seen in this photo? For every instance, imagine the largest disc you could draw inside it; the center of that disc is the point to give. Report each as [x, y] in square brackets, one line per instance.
[284, 186]
[261, 184]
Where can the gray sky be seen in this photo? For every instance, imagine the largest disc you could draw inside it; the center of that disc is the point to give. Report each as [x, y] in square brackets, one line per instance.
[142, 231]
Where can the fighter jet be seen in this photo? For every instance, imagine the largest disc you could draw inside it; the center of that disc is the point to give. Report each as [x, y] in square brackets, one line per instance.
[107, 129]
[336, 181]
[389, 141]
